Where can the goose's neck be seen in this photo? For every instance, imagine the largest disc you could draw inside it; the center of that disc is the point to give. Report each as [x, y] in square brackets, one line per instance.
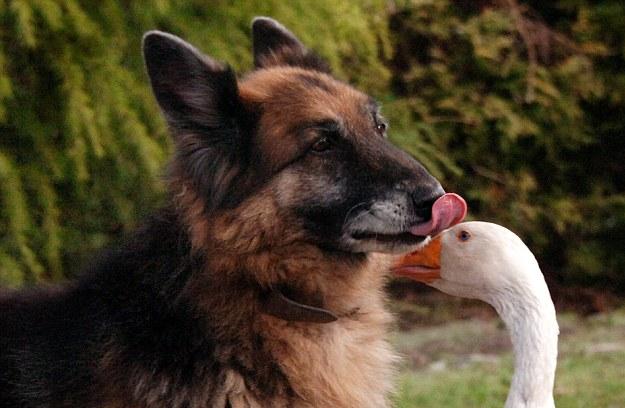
[530, 317]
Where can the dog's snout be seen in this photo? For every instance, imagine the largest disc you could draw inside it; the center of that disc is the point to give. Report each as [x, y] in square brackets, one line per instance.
[423, 199]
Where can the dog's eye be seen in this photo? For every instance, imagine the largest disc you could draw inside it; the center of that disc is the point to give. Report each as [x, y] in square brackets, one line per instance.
[381, 127]
[322, 145]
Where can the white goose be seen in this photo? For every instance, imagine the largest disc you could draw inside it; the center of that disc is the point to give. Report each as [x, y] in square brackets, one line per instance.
[489, 262]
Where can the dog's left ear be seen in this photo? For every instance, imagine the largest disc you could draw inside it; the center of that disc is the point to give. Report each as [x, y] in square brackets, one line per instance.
[275, 45]
[200, 100]
[195, 92]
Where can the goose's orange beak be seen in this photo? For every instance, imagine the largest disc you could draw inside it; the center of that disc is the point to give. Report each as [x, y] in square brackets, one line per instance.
[423, 265]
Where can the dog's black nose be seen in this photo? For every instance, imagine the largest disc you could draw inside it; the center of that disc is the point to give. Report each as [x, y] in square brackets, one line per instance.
[423, 201]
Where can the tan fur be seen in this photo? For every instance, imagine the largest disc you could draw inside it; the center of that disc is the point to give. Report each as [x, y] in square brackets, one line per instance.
[346, 364]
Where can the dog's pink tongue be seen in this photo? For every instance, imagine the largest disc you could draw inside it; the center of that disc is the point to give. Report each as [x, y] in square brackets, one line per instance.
[448, 210]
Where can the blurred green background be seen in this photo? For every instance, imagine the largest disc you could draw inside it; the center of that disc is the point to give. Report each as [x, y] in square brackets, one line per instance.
[517, 105]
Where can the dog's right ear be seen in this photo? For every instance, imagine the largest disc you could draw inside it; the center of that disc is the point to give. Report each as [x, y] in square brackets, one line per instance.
[275, 45]
[201, 103]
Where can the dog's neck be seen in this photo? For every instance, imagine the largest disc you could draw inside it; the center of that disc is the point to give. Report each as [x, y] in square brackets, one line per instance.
[278, 304]
[356, 339]
[309, 285]
[290, 279]
[295, 283]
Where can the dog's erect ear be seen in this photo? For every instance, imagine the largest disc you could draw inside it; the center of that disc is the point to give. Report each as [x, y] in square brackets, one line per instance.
[201, 103]
[275, 45]
[194, 91]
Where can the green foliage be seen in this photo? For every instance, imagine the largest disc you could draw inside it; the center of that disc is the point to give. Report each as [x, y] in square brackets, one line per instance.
[521, 121]
[79, 143]
[522, 115]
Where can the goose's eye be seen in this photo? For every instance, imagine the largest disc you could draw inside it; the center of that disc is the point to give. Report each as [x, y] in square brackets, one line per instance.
[322, 145]
[464, 235]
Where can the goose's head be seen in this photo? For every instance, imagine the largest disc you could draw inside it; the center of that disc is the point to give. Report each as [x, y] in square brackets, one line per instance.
[473, 259]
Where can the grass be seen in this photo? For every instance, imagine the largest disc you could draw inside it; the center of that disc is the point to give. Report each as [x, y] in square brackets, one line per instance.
[468, 363]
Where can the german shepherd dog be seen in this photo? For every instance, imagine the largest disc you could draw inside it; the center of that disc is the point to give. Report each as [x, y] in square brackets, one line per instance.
[260, 284]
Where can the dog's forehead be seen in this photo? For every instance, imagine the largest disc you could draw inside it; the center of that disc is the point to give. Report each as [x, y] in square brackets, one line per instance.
[296, 94]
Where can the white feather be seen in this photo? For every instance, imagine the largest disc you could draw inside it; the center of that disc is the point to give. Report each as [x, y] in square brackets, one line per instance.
[495, 266]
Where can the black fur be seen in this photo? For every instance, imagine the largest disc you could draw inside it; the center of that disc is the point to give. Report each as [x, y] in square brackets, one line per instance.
[130, 297]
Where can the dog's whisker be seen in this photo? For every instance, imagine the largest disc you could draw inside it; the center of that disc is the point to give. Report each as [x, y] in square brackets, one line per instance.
[345, 220]
[363, 215]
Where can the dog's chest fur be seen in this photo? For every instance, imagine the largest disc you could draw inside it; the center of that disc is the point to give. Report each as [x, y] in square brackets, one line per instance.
[347, 363]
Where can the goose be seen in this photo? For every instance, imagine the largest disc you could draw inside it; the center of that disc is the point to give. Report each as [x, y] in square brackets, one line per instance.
[486, 261]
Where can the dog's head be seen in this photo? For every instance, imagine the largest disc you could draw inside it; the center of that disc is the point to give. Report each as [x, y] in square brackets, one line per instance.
[290, 133]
